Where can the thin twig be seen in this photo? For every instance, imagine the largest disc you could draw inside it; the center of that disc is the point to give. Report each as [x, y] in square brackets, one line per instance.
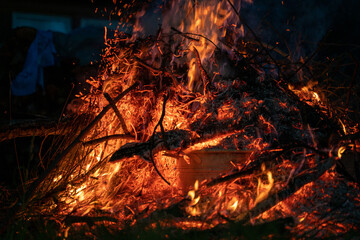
[117, 112]
[106, 138]
[163, 135]
[303, 64]
[195, 39]
[161, 118]
[156, 70]
[184, 34]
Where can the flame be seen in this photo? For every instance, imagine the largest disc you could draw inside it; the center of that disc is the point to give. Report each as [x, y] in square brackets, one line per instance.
[57, 178]
[263, 189]
[233, 205]
[208, 22]
[343, 126]
[306, 93]
[193, 209]
[341, 151]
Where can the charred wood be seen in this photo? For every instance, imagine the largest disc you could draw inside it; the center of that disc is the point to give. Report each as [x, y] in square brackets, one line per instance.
[107, 138]
[175, 140]
[32, 128]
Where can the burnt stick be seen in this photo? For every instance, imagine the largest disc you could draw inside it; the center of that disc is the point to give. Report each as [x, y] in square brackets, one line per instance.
[36, 127]
[194, 34]
[117, 112]
[106, 138]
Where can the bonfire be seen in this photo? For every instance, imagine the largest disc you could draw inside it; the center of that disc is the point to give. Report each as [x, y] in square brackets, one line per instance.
[200, 127]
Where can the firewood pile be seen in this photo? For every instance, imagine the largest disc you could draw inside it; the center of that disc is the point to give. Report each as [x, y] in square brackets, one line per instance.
[159, 98]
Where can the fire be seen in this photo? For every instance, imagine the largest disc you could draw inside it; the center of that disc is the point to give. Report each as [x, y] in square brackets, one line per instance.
[263, 189]
[341, 151]
[184, 102]
[193, 209]
[233, 205]
[208, 22]
[307, 93]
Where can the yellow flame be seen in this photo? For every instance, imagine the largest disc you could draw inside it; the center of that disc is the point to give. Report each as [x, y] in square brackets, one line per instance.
[206, 21]
[193, 209]
[191, 74]
[232, 205]
[343, 126]
[196, 185]
[341, 151]
[263, 167]
[195, 201]
[263, 189]
[88, 166]
[187, 159]
[57, 178]
[191, 194]
[306, 93]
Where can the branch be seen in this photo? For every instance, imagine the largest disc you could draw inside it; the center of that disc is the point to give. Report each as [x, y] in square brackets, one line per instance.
[163, 136]
[157, 70]
[195, 39]
[31, 128]
[106, 138]
[156, 143]
[89, 220]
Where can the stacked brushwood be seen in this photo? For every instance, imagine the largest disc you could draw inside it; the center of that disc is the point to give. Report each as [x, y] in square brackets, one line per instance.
[254, 85]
